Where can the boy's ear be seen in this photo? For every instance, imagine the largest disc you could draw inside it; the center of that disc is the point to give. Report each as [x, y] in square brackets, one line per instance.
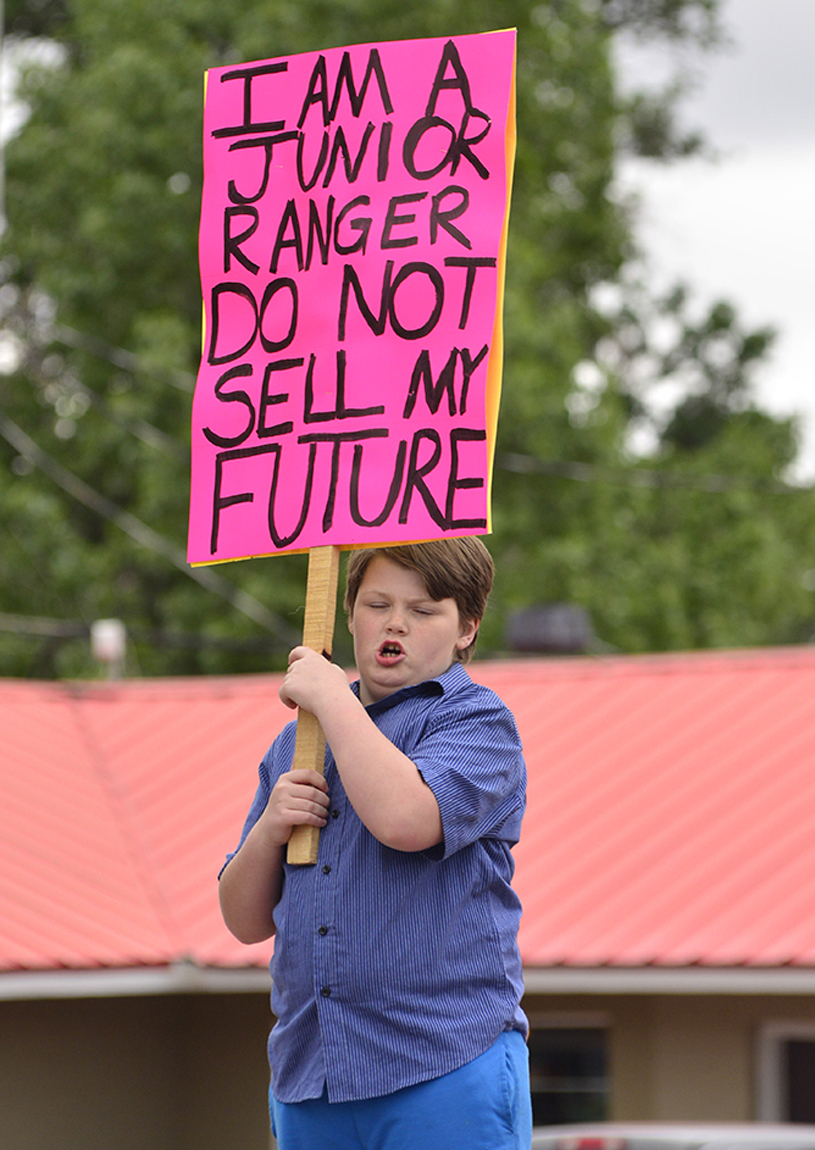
[469, 630]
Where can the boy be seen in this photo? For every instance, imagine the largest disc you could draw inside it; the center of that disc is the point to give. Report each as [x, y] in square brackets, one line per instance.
[396, 972]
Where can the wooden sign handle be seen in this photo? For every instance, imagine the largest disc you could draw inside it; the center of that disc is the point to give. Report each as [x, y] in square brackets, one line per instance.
[318, 633]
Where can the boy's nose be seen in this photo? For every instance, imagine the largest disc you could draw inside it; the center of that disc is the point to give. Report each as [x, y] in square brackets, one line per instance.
[396, 622]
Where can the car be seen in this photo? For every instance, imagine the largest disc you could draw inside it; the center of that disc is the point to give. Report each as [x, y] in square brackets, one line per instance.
[675, 1136]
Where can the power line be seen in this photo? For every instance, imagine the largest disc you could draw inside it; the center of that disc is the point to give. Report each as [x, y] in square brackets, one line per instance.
[507, 461]
[38, 626]
[639, 476]
[140, 428]
[47, 628]
[142, 534]
[126, 360]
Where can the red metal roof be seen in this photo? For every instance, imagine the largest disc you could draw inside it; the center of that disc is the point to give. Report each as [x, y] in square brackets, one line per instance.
[671, 816]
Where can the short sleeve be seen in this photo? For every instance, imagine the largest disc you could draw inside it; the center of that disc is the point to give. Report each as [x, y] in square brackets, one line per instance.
[277, 759]
[470, 756]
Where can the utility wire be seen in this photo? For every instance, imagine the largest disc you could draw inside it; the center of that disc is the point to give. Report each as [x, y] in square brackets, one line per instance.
[39, 626]
[126, 360]
[143, 534]
[506, 461]
[147, 432]
[50, 628]
[639, 476]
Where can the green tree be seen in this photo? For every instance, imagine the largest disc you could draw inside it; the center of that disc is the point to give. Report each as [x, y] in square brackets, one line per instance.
[691, 539]
[101, 330]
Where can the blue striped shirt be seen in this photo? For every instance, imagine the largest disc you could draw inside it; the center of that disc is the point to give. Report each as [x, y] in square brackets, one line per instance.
[392, 968]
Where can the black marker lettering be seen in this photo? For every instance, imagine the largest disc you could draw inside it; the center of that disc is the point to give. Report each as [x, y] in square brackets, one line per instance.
[305, 184]
[247, 75]
[317, 93]
[350, 279]
[286, 540]
[433, 392]
[458, 81]
[464, 142]
[414, 138]
[267, 400]
[362, 225]
[392, 220]
[460, 145]
[387, 306]
[345, 77]
[462, 435]
[340, 147]
[295, 241]
[415, 480]
[219, 502]
[337, 439]
[470, 263]
[282, 284]
[241, 291]
[469, 365]
[267, 143]
[437, 283]
[232, 244]
[384, 151]
[439, 218]
[237, 396]
[390, 500]
[340, 410]
[318, 88]
[315, 228]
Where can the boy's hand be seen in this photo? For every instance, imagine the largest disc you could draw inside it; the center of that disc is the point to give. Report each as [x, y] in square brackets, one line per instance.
[311, 680]
[250, 887]
[298, 798]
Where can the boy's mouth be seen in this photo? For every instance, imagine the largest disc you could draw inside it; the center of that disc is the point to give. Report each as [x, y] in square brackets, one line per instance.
[389, 652]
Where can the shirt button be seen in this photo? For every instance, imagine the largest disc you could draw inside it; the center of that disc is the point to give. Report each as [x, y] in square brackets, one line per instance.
[323, 930]
[326, 992]
[335, 814]
[326, 869]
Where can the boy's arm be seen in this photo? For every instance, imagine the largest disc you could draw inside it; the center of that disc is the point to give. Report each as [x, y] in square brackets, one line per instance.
[383, 785]
[251, 884]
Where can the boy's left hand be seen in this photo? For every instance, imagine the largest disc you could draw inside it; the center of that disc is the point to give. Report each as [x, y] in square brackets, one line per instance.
[381, 782]
[311, 680]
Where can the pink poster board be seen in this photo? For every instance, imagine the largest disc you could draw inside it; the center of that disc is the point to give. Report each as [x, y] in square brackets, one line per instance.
[352, 251]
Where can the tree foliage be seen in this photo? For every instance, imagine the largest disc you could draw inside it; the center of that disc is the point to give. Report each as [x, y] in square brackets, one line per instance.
[698, 543]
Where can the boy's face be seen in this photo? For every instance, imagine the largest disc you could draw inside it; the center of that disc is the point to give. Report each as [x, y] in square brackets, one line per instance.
[401, 635]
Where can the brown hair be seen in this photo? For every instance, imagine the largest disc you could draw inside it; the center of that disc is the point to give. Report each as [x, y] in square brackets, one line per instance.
[460, 569]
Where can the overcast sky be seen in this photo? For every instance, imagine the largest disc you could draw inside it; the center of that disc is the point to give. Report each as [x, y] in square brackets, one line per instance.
[743, 228]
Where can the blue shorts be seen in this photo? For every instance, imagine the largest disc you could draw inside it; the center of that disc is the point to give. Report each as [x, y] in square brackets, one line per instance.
[484, 1105]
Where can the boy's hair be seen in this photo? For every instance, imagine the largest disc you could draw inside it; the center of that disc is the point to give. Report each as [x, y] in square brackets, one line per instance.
[460, 569]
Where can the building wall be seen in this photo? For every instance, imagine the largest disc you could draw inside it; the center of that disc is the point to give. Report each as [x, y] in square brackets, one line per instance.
[692, 1057]
[168, 1073]
[703, 1059]
[189, 1072]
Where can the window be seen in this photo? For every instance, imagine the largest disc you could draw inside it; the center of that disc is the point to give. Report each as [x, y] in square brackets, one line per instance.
[798, 1070]
[569, 1074]
[786, 1072]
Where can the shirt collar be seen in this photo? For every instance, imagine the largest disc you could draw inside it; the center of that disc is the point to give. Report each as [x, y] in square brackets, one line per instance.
[444, 684]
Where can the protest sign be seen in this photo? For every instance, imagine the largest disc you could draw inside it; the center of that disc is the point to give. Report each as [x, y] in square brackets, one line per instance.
[352, 247]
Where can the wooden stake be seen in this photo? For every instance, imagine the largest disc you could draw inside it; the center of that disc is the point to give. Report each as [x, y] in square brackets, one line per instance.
[318, 633]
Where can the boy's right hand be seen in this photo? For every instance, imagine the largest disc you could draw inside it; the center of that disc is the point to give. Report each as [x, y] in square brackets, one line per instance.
[250, 886]
[298, 798]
